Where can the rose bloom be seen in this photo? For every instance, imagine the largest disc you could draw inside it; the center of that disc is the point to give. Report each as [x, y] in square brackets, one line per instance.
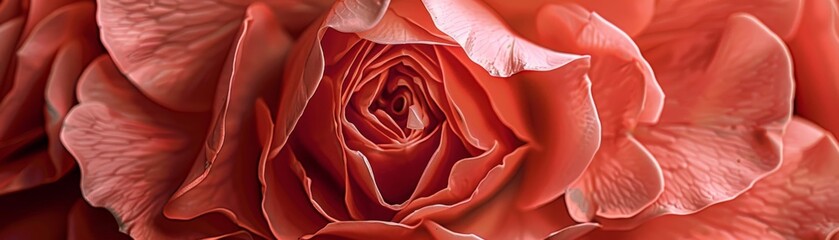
[44, 46]
[441, 119]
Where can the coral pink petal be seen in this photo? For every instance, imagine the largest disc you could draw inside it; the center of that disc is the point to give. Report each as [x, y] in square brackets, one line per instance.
[500, 217]
[621, 181]
[288, 210]
[796, 202]
[395, 29]
[386, 230]
[467, 20]
[458, 198]
[815, 50]
[124, 171]
[623, 85]
[574, 231]
[8, 45]
[171, 52]
[720, 130]
[630, 16]
[233, 149]
[682, 33]
[50, 60]
[345, 16]
[564, 132]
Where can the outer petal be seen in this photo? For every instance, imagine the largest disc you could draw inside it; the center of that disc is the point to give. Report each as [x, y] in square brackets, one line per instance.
[48, 63]
[386, 230]
[720, 130]
[563, 130]
[173, 51]
[623, 178]
[471, 25]
[233, 145]
[566, 123]
[630, 15]
[678, 40]
[133, 154]
[815, 50]
[796, 202]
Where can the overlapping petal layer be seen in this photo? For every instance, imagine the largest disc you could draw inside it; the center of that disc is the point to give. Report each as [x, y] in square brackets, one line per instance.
[42, 54]
[795, 202]
[714, 145]
[623, 178]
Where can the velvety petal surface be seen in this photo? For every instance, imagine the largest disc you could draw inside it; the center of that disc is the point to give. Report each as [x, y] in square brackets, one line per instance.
[41, 78]
[230, 159]
[796, 202]
[174, 50]
[720, 130]
[631, 16]
[623, 178]
[508, 55]
[133, 154]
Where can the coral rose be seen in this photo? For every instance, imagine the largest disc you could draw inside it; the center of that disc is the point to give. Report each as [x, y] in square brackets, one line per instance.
[423, 119]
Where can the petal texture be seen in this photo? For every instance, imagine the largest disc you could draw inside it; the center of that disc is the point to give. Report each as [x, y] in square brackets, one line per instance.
[720, 130]
[796, 202]
[133, 154]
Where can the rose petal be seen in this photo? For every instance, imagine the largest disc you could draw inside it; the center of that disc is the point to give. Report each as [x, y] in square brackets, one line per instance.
[8, 46]
[623, 85]
[815, 50]
[232, 148]
[796, 202]
[720, 130]
[623, 178]
[621, 181]
[357, 15]
[564, 136]
[173, 51]
[467, 20]
[52, 56]
[133, 154]
[678, 40]
[387, 230]
[288, 209]
[500, 218]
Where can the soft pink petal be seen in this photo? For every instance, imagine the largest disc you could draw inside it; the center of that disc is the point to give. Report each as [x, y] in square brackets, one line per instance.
[679, 40]
[631, 16]
[500, 217]
[173, 51]
[623, 85]
[471, 25]
[720, 129]
[133, 154]
[622, 180]
[796, 202]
